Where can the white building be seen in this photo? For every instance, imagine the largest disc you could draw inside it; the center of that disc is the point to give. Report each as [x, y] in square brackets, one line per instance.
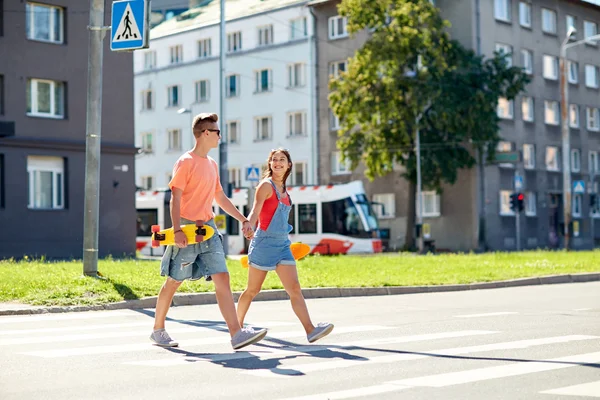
[270, 88]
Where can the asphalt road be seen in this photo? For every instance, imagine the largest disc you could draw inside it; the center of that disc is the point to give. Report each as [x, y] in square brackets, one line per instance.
[539, 342]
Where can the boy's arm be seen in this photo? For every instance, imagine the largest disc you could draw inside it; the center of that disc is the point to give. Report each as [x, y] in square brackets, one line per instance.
[175, 206]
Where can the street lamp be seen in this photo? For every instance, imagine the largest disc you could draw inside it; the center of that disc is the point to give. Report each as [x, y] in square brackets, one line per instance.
[564, 114]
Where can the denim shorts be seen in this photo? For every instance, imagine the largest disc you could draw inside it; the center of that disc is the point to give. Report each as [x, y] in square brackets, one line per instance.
[266, 252]
[199, 260]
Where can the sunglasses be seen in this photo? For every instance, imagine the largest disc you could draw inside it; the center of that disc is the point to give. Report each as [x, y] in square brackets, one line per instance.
[215, 130]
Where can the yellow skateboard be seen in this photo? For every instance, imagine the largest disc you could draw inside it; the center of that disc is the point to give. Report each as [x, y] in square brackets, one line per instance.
[299, 251]
[195, 233]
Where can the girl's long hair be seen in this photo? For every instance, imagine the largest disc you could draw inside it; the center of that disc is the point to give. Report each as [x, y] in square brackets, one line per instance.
[269, 172]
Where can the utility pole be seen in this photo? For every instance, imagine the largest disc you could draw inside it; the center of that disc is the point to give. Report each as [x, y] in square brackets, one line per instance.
[566, 141]
[517, 188]
[223, 172]
[93, 133]
[419, 190]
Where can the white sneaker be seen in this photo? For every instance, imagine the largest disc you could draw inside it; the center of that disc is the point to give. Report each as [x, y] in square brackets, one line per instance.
[321, 330]
[246, 337]
[161, 338]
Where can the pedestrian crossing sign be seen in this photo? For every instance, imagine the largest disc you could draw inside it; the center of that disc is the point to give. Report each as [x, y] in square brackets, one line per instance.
[252, 174]
[130, 25]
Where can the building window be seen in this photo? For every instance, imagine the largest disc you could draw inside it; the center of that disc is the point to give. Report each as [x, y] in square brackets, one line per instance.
[299, 173]
[176, 54]
[527, 61]
[235, 177]
[202, 91]
[570, 22]
[505, 203]
[46, 182]
[525, 14]
[338, 27]
[593, 164]
[232, 86]
[552, 161]
[505, 108]
[234, 42]
[573, 68]
[551, 112]
[174, 139]
[263, 80]
[593, 119]
[506, 51]
[528, 156]
[147, 103]
[296, 75]
[1, 94]
[431, 204]
[147, 145]
[550, 67]
[149, 60]
[575, 160]
[204, 48]
[384, 205]
[337, 166]
[147, 182]
[233, 134]
[336, 67]
[591, 76]
[265, 35]
[298, 28]
[502, 10]
[590, 29]
[173, 96]
[527, 109]
[44, 23]
[334, 121]
[530, 204]
[576, 205]
[297, 124]
[45, 98]
[548, 21]
[263, 128]
[573, 115]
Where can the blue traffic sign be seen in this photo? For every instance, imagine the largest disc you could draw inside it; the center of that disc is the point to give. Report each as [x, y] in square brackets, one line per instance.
[578, 187]
[252, 174]
[518, 182]
[130, 25]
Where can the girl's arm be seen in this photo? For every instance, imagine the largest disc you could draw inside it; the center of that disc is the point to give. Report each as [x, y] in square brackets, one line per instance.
[263, 192]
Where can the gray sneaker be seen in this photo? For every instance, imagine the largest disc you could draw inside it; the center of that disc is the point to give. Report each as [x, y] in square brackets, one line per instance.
[247, 336]
[161, 338]
[321, 330]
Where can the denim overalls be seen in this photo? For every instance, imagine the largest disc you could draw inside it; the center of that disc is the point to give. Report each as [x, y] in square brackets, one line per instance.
[272, 247]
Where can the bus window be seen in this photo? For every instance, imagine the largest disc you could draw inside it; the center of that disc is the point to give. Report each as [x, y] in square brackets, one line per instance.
[342, 217]
[364, 204]
[292, 219]
[307, 218]
[145, 219]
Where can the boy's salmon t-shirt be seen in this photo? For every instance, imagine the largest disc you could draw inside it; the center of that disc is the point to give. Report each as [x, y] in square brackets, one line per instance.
[198, 178]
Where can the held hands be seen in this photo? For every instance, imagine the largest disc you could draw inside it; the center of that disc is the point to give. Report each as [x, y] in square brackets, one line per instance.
[247, 230]
[180, 239]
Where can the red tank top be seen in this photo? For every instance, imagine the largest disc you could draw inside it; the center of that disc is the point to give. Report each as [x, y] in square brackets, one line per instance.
[268, 209]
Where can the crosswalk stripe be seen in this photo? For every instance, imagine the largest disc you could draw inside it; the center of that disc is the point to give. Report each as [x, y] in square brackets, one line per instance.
[461, 377]
[224, 338]
[493, 314]
[266, 353]
[312, 367]
[63, 317]
[591, 389]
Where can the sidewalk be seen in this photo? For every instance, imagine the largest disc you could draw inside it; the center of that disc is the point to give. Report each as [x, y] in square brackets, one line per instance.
[185, 299]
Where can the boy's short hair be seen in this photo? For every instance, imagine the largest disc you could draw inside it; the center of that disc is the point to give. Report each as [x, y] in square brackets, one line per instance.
[202, 121]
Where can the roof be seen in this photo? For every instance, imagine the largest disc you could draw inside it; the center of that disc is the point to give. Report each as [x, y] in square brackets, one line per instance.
[210, 14]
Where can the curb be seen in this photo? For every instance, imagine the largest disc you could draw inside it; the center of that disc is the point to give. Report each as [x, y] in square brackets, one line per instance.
[186, 299]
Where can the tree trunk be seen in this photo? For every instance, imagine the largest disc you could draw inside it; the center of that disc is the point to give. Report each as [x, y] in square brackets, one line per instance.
[411, 212]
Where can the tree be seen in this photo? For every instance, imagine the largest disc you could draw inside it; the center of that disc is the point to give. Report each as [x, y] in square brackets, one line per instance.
[410, 75]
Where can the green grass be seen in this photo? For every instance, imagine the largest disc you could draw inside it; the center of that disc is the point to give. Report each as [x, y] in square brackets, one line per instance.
[39, 282]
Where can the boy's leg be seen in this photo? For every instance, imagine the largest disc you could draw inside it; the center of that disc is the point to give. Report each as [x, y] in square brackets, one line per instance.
[225, 301]
[256, 277]
[163, 302]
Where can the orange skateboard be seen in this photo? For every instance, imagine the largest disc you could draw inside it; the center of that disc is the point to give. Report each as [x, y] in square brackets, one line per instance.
[195, 233]
[299, 251]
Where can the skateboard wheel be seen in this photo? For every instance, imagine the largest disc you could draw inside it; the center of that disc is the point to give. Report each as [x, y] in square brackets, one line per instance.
[155, 228]
[199, 222]
[155, 243]
[199, 238]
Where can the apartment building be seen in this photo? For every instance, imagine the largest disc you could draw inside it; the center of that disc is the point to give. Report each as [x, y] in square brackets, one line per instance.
[530, 33]
[269, 95]
[43, 134]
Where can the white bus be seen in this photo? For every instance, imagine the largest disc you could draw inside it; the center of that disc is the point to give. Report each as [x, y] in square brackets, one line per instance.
[331, 219]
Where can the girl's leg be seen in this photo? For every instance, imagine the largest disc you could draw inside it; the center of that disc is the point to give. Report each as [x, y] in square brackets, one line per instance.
[289, 278]
[256, 277]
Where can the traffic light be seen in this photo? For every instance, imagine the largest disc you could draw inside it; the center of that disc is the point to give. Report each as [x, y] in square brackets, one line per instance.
[517, 201]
